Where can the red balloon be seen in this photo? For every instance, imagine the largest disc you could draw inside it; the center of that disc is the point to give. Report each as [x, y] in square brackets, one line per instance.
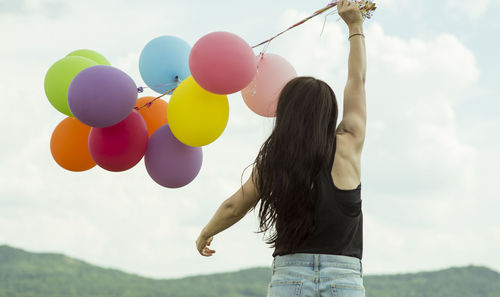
[122, 146]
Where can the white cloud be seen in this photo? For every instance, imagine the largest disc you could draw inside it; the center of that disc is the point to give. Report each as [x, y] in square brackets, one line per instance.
[473, 9]
[49, 8]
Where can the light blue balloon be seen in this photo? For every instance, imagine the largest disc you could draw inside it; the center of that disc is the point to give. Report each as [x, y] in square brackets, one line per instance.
[164, 63]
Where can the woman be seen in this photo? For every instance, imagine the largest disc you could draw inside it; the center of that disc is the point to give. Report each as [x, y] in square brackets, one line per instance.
[307, 178]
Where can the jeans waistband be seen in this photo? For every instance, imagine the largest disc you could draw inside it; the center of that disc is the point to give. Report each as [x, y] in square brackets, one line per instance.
[318, 260]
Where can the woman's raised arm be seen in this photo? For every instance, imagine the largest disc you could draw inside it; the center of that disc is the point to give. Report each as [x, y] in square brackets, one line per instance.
[354, 114]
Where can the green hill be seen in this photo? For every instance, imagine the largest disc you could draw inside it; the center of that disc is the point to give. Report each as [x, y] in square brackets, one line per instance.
[24, 274]
[470, 281]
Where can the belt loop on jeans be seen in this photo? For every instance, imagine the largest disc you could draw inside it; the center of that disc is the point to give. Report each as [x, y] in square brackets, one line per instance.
[316, 262]
[361, 267]
[274, 259]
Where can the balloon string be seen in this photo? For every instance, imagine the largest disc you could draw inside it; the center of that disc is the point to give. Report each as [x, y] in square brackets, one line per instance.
[330, 5]
[177, 81]
[148, 104]
[367, 8]
[324, 22]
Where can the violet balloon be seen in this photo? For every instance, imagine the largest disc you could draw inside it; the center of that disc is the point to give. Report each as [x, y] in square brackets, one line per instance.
[122, 146]
[102, 96]
[222, 63]
[169, 162]
[262, 94]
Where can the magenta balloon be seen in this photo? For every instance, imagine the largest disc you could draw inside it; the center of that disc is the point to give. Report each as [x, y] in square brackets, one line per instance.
[273, 73]
[169, 162]
[101, 96]
[122, 146]
[222, 63]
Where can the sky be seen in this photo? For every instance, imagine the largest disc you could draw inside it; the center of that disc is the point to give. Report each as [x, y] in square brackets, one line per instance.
[429, 161]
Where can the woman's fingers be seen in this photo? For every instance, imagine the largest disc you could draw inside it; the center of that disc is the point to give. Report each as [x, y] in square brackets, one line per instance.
[350, 4]
[207, 252]
[350, 12]
[346, 5]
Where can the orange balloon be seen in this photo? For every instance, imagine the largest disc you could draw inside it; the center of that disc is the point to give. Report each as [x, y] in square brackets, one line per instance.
[69, 145]
[155, 115]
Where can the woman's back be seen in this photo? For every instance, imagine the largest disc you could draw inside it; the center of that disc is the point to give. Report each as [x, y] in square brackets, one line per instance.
[338, 219]
[319, 271]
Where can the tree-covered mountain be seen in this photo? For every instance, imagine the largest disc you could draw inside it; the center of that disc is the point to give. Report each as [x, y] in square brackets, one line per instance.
[470, 281]
[24, 274]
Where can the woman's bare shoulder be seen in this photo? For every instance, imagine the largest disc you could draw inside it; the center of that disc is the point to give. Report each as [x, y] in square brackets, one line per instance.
[346, 169]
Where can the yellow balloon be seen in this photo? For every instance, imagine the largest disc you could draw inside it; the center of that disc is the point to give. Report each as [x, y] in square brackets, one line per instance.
[197, 117]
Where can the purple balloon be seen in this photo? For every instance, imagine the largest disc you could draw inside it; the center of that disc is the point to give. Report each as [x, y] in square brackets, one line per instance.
[101, 96]
[170, 162]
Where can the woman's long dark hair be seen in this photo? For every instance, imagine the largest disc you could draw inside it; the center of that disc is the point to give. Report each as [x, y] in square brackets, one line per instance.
[290, 160]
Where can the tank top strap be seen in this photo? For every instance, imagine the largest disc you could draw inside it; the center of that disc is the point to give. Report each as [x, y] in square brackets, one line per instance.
[332, 157]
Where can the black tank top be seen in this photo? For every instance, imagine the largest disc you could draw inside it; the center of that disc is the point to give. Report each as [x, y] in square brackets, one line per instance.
[338, 219]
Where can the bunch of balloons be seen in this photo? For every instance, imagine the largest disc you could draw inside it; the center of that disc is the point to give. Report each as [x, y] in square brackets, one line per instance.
[110, 126]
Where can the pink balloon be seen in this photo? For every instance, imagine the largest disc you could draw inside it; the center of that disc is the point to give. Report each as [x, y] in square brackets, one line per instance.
[222, 63]
[273, 73]
[122, 146]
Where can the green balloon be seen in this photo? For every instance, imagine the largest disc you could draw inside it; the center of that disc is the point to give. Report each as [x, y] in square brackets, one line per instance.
[92, 55]
[58, 78]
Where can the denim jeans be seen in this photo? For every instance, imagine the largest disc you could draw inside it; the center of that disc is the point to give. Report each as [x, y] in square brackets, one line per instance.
[316, 275]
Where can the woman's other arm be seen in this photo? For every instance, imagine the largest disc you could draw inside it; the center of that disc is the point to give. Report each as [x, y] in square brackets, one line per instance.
[229, 213]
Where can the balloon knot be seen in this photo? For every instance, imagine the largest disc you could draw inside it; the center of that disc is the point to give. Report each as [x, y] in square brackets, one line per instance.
[140, 89]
